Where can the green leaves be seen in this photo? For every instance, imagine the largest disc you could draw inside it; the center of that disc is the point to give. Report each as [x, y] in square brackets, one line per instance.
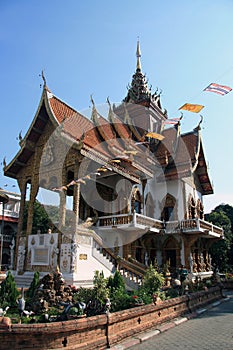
[41, 220]
[34, 284]
[221, 251]
[153, 280]
[8, 291]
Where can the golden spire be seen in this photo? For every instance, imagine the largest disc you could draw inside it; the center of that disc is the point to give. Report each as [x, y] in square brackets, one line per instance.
[138, 54]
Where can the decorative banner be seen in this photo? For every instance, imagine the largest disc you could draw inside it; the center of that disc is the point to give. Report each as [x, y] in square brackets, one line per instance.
[218, 89]
[192, 108]
[154, 135]
[131, 152]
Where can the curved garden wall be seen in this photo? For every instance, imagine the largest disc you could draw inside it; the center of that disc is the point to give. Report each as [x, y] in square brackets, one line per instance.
[102, 331]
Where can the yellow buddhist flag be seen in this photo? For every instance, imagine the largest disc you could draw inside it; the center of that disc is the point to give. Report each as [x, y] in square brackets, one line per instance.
[154, 135]
[115, 161]
[102, 169]
[131, 152]
[192, 107]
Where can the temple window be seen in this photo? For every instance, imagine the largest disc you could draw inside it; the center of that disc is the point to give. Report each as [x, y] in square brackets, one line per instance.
[136, 200]
[168, 212]
[149, 205]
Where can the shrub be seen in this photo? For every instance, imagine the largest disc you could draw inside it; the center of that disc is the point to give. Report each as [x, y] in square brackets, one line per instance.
[34, 284]
[8, 291]
[152, 281]
[101, 291]
[115, 282]
[171, 293]
[144, 296]
[120, 300]
[84, 295]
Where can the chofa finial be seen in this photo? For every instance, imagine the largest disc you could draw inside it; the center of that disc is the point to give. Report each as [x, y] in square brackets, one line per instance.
[43, 77]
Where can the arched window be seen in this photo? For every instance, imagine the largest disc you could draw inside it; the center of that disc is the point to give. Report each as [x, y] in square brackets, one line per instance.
[171, 253]
[149, 205]
[168, 213]
[136, 201]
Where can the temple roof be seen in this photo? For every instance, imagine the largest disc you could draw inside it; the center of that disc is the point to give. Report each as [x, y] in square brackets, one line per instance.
[182, 155]
[138, 91]
[122, 135]
[108, 140]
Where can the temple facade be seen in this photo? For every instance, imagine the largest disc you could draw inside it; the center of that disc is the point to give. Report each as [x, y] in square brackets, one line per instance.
[9, 216]
[127, 188]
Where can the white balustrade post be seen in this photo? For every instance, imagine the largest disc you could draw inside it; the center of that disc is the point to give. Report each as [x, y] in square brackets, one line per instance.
[134, 218]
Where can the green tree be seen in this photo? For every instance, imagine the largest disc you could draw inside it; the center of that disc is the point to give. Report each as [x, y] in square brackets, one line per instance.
[152, 281]
[120, 300]
[34, 284]
[41, 219]
[116, 282]
[226, 209]
[221, 250]
[8, 291]
[100, 287]
[53, 212]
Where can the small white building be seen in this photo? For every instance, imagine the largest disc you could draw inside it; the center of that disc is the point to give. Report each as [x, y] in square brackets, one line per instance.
[9, 217]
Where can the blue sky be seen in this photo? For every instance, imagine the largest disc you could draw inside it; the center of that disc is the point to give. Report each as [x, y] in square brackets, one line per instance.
[88, 47]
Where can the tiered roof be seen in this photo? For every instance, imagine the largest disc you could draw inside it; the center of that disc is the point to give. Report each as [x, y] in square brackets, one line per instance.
[122, 135]
[138, 91]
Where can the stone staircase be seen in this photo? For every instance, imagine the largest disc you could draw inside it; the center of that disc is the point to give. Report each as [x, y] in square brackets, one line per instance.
[132, 272]
[25, 279]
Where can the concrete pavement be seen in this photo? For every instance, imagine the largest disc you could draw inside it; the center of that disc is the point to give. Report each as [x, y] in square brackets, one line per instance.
[210, 328]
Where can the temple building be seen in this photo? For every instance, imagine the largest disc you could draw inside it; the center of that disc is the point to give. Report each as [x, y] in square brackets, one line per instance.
[9, 216]
[128, 189]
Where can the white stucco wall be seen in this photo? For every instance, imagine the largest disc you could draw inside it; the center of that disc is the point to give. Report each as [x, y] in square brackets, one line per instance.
[179, 189]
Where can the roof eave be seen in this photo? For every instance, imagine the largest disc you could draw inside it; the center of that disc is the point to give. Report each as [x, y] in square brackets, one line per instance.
[23, 142]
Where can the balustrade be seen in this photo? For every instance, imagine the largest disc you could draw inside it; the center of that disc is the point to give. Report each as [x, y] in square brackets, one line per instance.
[123, 219]
[172, 226]
[147, 221]
[196, 225]
[126, 219]
[189, 224]
[205, 225]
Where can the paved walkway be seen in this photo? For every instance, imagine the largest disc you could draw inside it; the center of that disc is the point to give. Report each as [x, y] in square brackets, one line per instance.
[208, 329]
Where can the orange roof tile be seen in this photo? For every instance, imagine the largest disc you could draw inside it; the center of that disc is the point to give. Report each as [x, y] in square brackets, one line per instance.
[60, 109]
[176, 153]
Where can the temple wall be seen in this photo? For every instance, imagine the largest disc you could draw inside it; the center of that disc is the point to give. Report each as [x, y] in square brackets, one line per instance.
[159, 192]
[77, 260]
[102, 331]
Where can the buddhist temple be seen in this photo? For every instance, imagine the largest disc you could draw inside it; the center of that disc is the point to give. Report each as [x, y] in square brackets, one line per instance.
[135, 183]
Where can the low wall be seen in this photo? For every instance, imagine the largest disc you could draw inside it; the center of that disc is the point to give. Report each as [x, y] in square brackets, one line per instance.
[102, 331]
[227, 284]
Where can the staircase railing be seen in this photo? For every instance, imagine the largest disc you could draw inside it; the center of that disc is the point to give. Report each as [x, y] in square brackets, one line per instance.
[134, 271]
